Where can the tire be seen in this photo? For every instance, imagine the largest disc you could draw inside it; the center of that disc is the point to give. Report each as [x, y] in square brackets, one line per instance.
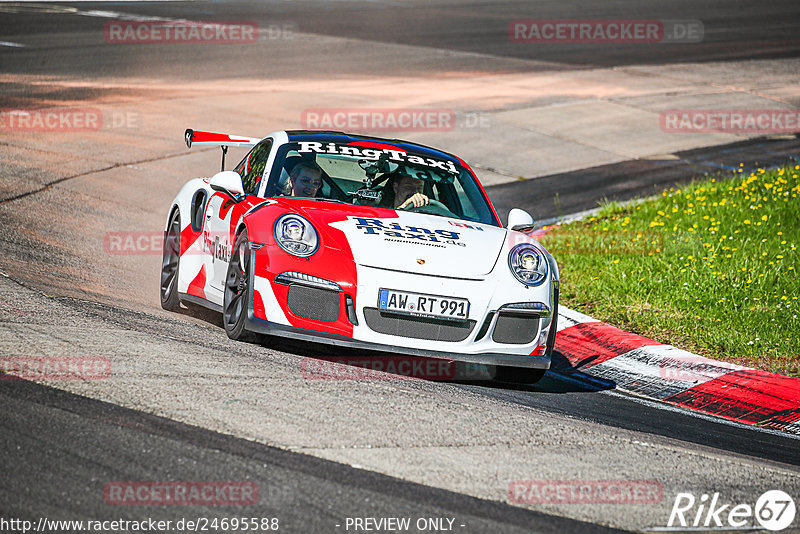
[519, 375]
[170, 263]
[551, 336]
[523, 375]
[237, 288]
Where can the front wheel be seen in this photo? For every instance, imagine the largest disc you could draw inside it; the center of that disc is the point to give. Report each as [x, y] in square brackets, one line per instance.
[237, 290]
[551, 336]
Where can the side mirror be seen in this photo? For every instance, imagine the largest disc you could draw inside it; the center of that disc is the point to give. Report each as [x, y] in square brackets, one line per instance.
[520, 220]
[228, 182]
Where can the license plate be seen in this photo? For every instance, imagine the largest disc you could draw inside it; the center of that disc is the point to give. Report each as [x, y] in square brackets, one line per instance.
[422, 304]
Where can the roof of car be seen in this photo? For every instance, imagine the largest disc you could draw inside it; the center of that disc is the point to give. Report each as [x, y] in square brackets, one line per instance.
[345, 138]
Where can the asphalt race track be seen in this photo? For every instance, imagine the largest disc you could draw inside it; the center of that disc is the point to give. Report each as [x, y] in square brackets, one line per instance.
[184, 403]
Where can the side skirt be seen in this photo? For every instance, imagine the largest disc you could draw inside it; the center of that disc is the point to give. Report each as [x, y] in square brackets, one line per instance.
[184, 297]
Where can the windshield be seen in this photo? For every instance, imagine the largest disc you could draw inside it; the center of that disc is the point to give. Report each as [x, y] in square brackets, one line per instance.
[378, 177]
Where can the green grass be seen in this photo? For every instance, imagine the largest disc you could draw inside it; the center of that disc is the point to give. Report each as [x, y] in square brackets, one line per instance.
[710, 268]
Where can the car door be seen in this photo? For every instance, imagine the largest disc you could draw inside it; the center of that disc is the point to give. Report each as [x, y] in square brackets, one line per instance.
[223, 214]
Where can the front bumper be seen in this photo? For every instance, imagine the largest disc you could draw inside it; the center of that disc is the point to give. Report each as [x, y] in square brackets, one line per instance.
[351, 329]
[261, 326]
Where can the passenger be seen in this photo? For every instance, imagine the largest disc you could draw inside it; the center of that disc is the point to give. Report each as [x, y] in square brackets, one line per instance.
[408, 190]
[305, 179]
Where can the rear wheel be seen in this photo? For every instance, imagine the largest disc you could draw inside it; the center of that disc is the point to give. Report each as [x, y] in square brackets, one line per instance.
[169, 264]
[237, 290]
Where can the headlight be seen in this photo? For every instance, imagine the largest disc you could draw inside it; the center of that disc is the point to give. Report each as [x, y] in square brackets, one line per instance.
[295, 235]
[528, 264]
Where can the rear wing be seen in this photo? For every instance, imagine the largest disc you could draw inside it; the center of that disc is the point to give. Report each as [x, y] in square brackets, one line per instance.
[217, 139]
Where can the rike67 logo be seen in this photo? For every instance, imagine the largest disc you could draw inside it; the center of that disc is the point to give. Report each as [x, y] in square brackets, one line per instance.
[774, 510]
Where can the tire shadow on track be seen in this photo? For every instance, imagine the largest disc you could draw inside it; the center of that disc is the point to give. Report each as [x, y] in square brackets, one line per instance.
[332, 363]
[327, 362]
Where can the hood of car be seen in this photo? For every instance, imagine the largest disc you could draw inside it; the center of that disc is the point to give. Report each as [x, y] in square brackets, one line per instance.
[397, 240]
[424, 244]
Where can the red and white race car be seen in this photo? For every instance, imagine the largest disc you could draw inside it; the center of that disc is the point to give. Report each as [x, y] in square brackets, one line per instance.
[365, 243]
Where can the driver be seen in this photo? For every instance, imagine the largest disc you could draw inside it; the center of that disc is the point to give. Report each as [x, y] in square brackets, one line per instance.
[305, 179]
[408, 190]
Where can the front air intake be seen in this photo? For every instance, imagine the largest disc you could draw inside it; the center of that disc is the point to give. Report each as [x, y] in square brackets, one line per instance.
[313, 303]
[515, 328]
[417, 327]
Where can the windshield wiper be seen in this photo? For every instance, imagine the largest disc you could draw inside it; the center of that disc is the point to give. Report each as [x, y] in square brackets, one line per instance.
[327, 200]
[454, 216]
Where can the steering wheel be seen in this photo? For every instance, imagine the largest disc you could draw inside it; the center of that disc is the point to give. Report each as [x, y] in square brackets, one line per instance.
[434, 207]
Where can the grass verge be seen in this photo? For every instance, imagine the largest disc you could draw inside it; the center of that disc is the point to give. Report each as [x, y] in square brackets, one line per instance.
[710, 268]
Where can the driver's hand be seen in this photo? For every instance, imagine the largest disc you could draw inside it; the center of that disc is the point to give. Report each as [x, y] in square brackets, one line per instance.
[417, 199]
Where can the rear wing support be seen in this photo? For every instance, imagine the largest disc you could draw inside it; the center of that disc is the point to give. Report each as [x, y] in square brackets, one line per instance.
[222, 140]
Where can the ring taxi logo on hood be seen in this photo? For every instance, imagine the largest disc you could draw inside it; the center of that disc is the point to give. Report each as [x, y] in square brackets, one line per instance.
[414, 234]
[397, 156]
